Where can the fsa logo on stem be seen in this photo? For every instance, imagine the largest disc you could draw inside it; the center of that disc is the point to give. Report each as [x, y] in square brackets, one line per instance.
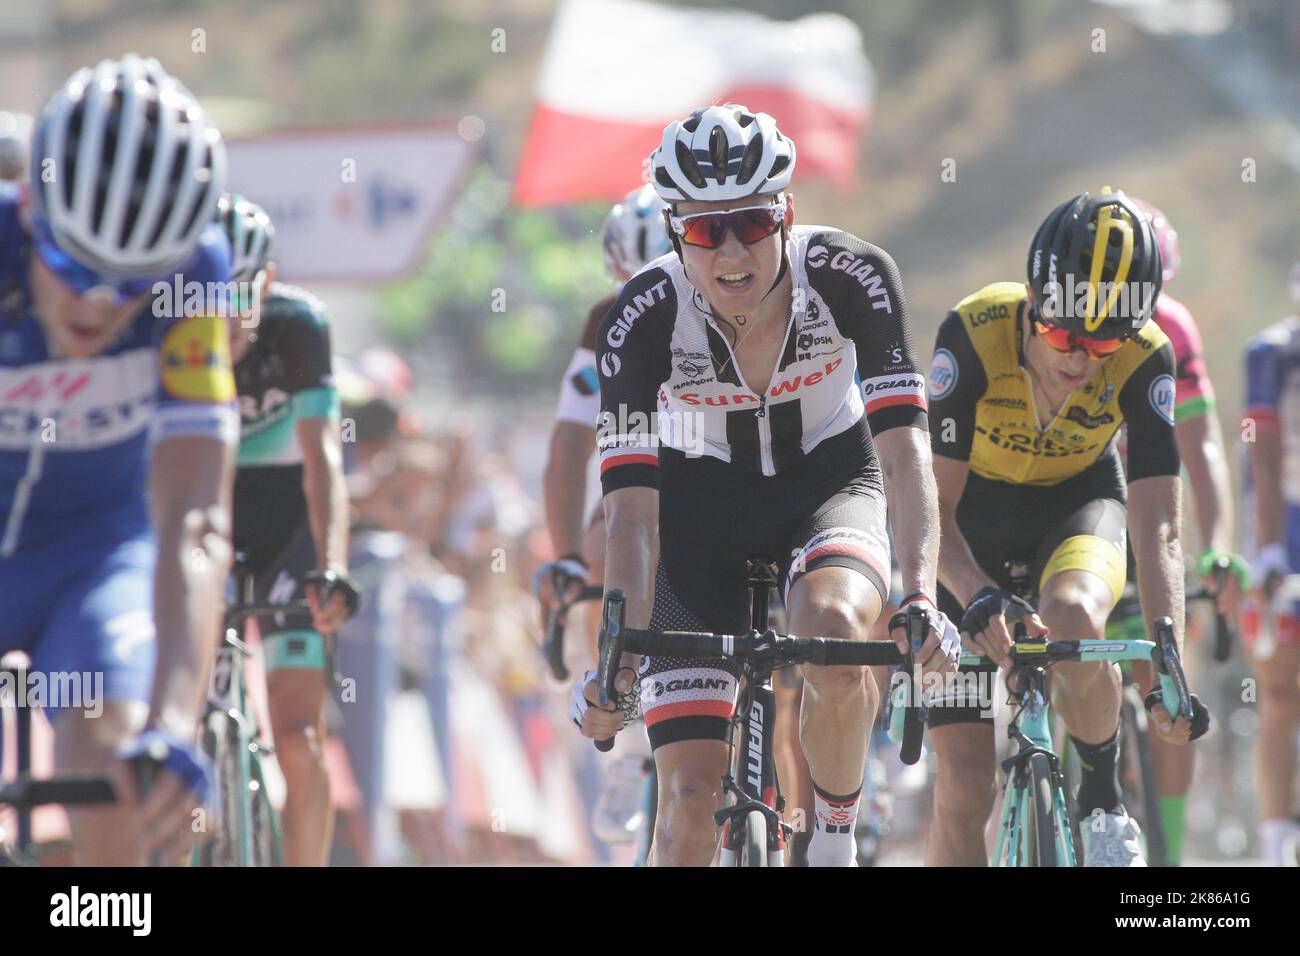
[633, 311]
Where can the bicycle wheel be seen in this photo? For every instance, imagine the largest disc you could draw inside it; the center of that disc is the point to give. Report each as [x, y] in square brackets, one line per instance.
[265, 822]
[220, 847]
[1041, 822]
[1134, 739]
[753, 851]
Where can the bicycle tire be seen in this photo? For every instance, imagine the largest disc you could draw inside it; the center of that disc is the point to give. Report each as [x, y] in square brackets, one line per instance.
[1139, 746]
[753, 851]
[1042, 822]
[220, 743]
[267, 847]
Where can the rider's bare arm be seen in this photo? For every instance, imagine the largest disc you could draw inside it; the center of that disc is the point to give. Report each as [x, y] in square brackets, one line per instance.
[958, 569]
[563, 484]
[1265, 455]
[190, 483]
[1154, 523]
[914, 514]
[632, 553]
[1200, 444]
[326, 491]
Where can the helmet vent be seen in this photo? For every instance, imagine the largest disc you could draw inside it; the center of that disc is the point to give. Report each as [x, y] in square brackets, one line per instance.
[718, 153]
[690, 169]
[749, 161]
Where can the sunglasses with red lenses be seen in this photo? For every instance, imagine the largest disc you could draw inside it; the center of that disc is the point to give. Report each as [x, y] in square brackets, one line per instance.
[749, 223]
[1062, 340]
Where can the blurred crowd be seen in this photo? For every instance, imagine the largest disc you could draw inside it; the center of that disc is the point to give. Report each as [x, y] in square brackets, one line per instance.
[455, 741]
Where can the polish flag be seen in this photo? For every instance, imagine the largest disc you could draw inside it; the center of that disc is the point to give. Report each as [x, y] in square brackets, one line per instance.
[616, 72]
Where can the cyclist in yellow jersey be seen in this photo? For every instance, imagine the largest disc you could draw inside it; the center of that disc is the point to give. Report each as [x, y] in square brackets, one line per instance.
[1028, 389]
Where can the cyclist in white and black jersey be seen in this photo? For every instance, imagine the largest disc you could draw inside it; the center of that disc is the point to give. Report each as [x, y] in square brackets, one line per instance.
[732, 424]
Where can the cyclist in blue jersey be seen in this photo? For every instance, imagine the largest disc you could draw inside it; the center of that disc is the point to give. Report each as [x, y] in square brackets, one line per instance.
[1271, 534]
[290, 512]
[117, 433]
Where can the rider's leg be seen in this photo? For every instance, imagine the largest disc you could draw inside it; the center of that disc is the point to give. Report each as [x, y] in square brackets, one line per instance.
[791, 764]
[963, 792]
[690, 790]
[296, 701]
[1075, 605]
[839, 704]
[100, 637]
[1279, 718]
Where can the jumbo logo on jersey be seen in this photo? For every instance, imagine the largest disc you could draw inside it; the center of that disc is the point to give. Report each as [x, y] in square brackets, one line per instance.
[1162, 395]
[633, 311]
[863, 272]
[196, 360]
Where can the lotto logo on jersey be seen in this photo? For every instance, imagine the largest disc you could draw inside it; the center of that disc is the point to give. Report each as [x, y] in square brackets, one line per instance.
[196, 360]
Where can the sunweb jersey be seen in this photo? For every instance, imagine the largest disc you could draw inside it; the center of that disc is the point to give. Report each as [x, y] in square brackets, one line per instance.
[669, 377]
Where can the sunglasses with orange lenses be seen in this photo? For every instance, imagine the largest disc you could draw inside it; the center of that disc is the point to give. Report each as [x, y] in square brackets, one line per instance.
[708, 229]
[1062, 340]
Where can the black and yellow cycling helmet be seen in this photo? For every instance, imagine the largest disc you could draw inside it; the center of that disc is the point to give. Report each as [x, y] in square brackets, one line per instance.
[1094, 266]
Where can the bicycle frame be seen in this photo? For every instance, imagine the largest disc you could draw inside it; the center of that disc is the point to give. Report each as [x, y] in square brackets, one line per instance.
[751, 779]
[229, 705]
[1031, 730]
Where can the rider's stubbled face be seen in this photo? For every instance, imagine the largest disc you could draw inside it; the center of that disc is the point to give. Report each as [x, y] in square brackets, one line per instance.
[735, 277]
[78, 326]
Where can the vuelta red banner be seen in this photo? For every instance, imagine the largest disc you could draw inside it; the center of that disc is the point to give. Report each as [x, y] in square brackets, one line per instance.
[617, 71]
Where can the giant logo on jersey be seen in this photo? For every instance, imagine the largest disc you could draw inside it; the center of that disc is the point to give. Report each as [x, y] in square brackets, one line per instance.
[633, 311]
[864, 273]
[195, 357]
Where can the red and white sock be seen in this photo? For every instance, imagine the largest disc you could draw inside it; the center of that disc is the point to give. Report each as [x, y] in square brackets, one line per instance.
[832, 841]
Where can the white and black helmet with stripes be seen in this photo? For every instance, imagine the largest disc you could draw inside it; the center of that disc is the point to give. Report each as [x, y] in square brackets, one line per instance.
[251, 235]
[634, 233]
[135, 168]
[721, 152]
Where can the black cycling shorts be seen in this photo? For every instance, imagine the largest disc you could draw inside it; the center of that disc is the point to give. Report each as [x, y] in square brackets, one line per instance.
[1077, 524]
[289, 639]
[826, 510]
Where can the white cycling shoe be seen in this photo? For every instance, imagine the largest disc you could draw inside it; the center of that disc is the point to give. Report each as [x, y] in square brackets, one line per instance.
[1116, 843]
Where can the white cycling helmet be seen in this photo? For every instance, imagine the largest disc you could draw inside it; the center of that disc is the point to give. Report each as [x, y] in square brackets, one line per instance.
[721, 152]
[15, 145]
[135, 168]
[251, 235]
[634, 232]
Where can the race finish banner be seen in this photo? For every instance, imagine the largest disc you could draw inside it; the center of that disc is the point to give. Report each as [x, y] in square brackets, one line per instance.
[616, 72]
[351, 203]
